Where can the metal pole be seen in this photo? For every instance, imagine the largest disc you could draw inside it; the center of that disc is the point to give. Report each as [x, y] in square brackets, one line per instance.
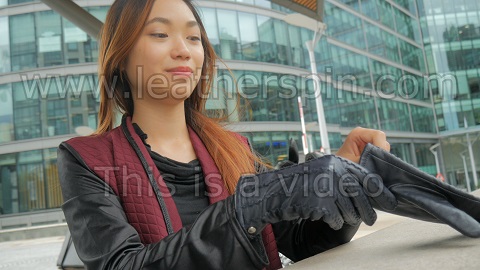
[472, 157]
[304, 130]
[472, 162]
[467, 178]
[322, 125]
[434, 152]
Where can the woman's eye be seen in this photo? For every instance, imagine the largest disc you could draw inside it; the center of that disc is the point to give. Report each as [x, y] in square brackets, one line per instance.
[159, 35]
[195, 38]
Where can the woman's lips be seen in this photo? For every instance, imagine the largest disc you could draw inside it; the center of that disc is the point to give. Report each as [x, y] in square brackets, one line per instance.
[181, 71]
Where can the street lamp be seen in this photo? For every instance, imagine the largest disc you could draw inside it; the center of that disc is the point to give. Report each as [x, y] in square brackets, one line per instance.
[318, 28]
[437, 163]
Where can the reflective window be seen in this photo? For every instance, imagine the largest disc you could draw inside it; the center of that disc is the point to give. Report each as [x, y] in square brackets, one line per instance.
[425, 158]
[414, 87]
[463, 57]
[350, 67]
[407, 25]
[282, 41]
[330, 99]
[344, 26]
[29, 181]
[273, 146]
[385, 12]
[412, 56]
[455, 165]
[369, 8]
[78, 47]
[263, 3]
[352, 3]
[209, 19]
[52, 183]
[385, 79]
[402, 150]
[8, 184]
[44, 39]
[54, 106]
[266, 33]
[356, 110]
[334, 139]
[26, 110]
[250, 43]
[13, 2]
[22, 42]
[408, 5]
[229, 35]
[381, 42]
[394, 115]
[49, 39]
[423, 120]
[379, 10]
[476, 110]
[270, 96]
[296, 46]
[6, 113]
[4, 46]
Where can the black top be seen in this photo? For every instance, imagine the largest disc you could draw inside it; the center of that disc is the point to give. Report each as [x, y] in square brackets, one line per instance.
[184, 180]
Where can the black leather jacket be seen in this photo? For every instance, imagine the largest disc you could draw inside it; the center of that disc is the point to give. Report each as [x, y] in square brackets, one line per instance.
[104, 239]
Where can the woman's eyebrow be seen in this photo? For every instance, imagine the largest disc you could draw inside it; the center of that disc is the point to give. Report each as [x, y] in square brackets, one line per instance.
[168, 22]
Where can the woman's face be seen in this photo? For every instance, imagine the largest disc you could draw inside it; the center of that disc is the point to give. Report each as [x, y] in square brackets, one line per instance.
[166, 61]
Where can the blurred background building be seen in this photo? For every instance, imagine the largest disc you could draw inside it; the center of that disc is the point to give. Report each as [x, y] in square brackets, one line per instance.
[408, 67]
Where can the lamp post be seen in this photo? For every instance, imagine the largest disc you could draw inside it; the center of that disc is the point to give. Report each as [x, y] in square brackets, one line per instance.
[435, 155]
[318, 28]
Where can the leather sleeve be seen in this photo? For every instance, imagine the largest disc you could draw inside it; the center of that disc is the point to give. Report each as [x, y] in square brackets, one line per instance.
[301, 239]
[104, 239]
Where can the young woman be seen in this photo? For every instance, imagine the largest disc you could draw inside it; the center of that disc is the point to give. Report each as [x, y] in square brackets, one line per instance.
[161, 190]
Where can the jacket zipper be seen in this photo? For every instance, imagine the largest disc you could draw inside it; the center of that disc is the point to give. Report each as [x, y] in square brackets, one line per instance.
[156, 189]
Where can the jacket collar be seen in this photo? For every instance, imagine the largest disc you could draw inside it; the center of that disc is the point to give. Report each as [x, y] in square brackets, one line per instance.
[213, 180]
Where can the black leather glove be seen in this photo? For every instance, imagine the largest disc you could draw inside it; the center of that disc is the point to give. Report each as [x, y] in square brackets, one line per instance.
[329, 188]
[293, 157]
[422, 196]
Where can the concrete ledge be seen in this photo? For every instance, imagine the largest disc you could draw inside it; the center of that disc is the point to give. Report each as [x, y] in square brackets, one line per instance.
[31, 219]
[33, 232]
[411, 244]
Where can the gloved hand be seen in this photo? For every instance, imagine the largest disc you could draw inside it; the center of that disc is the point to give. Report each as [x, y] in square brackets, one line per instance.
[422, 196]
[293, 156]
[329, 188]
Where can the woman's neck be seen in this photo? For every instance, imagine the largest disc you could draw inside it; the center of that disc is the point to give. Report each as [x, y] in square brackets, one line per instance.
[166, 128]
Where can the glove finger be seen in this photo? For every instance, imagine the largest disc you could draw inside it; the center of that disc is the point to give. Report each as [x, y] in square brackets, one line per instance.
[293, 155]
[333, 217]
[375, 189]
[348, 211]
[352, 190]
[438, 206]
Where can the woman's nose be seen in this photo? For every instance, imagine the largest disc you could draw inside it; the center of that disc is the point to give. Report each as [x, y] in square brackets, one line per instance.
[180, 49]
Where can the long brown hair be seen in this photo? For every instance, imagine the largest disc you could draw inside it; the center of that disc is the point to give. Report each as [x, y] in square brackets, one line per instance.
[123, 25]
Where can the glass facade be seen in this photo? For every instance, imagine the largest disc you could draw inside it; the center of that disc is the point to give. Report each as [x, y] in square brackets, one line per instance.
[45, 39]
[384, 64]
[451, 35]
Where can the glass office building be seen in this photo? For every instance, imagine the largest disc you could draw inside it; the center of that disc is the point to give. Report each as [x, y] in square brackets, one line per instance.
[374, 61]
[452, 47]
